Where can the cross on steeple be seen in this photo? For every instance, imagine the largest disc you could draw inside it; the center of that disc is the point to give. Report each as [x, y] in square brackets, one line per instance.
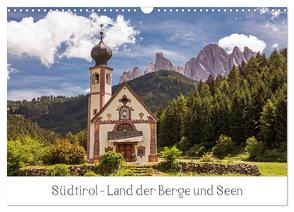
[101, 32]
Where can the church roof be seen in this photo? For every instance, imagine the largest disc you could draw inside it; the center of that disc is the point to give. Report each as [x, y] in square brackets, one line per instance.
[121, 86]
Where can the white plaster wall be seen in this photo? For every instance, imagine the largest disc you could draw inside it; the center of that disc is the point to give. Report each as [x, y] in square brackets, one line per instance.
[95, 103]
[108, 88]
[145, 127]
[107, 97]
[92, 133]
[103, 137]
[94, 87]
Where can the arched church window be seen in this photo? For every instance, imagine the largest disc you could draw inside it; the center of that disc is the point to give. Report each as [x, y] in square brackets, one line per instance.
[95, 78]
[124, 113]
[124, 127]
[108, 79]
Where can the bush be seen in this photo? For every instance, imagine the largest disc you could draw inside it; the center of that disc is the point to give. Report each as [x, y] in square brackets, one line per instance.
[64, 152]
[110, 163]
[166, 166]
[23, 152]
[197, 150]
[272, 155]
[253, 147]
[244, 156]
[170, 154]
[207, 157]
[184, 144]
[90, 174]
[224, 146]
[58, 170]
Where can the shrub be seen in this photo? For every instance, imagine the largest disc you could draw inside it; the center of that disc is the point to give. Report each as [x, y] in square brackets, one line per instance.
[207, 157]
[166, 166]
[244, 156]
[90, 174]
[272, 155]
[64, 152]
[58, 170]
[78, 138]
[110, 163]
[253, 147]
[184, 144]
[224, 146]
[170, 154]
[197, 150]
[23, 152]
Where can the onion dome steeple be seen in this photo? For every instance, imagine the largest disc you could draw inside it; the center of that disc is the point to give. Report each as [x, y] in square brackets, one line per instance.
[101, 53]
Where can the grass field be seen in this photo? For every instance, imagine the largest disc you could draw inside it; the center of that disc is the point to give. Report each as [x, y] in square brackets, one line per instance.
[265, 168]
[271, 169]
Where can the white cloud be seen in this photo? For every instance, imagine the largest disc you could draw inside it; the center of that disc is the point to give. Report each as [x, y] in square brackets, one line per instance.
[275, 45]
[274, 13]
[271, 27]
[241, 41]
[64, 34]
[263, 10]
[10, 70]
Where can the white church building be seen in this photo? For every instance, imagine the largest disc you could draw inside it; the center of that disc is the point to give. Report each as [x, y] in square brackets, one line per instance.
[118, 122]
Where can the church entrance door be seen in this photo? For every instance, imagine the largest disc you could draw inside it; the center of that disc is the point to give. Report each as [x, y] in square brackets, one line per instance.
[127, 150]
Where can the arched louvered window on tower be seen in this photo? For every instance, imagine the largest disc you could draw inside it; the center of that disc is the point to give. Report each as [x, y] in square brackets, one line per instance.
[108, 79]
[95, 78]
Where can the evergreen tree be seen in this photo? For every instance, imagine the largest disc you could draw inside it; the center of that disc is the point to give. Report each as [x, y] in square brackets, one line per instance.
[171, 122]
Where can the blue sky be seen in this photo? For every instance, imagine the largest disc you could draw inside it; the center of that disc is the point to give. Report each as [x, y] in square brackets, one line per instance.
[48, 51]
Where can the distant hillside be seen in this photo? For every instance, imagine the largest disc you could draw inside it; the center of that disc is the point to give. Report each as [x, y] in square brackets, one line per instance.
[18, 126]
[69, 114]
[60, 114]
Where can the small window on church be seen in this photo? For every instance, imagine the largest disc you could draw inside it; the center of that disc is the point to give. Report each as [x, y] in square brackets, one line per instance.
[95, 78]
[94, 111]
[141, 151]
[124, 113]
[108, 79]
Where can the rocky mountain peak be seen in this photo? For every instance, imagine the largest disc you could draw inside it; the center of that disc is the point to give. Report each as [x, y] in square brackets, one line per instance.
[236, 57]
[162, 63]
[150, 68]
[211, 60]
[129, 75]
[248, 53]
[236, 50]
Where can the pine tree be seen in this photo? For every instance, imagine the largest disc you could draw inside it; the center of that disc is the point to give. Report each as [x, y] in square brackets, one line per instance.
[171, 122]
[267, 124]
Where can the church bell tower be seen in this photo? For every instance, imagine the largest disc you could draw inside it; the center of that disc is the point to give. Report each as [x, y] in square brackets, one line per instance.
[100, 78]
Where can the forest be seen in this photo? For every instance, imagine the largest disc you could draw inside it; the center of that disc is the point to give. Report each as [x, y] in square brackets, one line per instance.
[247, 110]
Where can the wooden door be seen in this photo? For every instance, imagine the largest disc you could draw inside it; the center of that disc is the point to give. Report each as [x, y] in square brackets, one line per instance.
[126, 150]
